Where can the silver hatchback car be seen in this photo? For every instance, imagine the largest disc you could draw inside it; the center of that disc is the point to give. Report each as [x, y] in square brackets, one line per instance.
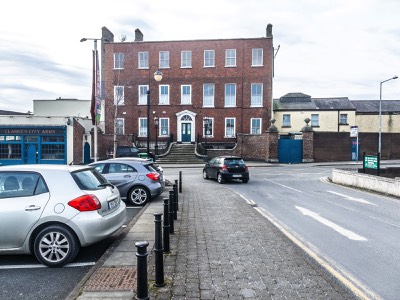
[138, 180]
[52, 211]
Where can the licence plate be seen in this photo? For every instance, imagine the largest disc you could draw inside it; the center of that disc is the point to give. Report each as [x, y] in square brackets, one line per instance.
[112, 204]
[236, 175]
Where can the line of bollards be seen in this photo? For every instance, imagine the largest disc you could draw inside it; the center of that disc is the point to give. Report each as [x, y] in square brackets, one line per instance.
[163, 228]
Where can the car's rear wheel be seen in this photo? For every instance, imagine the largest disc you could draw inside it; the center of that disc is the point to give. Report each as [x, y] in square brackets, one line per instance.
[55, 246]
[245, 180]
[220, 179]
[205, 176]
[138, 195]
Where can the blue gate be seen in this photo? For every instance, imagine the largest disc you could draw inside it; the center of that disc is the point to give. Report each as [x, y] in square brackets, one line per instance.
[290, 151]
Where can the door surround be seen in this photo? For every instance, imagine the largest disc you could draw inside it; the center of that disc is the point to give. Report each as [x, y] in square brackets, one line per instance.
[186, 116]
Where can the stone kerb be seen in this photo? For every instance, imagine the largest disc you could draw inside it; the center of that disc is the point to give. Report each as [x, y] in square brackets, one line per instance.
[378, 184]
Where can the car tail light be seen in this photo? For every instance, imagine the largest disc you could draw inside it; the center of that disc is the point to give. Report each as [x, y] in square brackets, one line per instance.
[153, 176]
[246, 168]
[224, 168]
[85, 203]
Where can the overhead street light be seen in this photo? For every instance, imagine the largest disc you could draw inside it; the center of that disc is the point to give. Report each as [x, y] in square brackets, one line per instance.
[380, 115]
[157, 77]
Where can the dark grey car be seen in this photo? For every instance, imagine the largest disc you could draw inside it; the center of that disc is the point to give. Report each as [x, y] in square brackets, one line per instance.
[225, 168]
[136, 179]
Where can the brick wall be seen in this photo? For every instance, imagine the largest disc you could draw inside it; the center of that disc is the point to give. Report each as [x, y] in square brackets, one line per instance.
[174, 76]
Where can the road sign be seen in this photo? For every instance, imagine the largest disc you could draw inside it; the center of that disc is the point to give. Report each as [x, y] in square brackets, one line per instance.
[371, 162]
[353, 131]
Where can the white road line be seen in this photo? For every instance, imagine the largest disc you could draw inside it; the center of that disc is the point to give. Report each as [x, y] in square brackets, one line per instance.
[249, 201]
[352, 198]
[347, 233]
[39, 266]
[361, 291]
[285, 186]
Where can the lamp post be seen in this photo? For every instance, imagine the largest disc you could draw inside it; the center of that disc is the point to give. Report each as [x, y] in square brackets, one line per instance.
[95, 93]
[157, 77]
[156, 122]
[206, 132]
[380, 115]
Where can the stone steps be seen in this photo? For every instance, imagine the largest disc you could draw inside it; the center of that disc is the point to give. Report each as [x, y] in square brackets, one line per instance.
[181, 154]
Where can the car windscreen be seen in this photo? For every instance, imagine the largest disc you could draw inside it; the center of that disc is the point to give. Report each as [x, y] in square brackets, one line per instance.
[89, 179]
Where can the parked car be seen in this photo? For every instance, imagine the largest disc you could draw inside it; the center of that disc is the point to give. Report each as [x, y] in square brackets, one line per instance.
[154, 165]
[137, 179]
[123, 151]
[51, 211]
[225, 168]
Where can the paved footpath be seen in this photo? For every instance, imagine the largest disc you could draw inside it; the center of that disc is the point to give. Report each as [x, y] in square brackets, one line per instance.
[222, 248]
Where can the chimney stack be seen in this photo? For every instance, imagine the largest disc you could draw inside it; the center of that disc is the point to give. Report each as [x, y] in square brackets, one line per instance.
[269, 30]
[138, 35]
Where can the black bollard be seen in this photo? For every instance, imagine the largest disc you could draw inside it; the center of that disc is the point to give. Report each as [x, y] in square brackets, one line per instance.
[166, 226]
[141, 272]
[158, 250]
[175, 189]
[180, 181]
[171, 212]
[177, 196]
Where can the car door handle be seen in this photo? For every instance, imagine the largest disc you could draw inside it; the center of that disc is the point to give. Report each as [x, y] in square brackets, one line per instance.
[127, 176]
[32, 208]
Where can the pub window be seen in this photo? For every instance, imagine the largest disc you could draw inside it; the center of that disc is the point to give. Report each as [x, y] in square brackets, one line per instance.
[10, 151]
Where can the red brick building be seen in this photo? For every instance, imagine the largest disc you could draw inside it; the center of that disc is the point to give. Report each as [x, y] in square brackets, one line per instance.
[210, 89]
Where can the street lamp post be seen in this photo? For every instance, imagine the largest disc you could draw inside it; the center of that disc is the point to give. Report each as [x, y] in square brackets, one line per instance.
[95, 93]
[156, 122]
[157, 77]
[380, 115]
[206, 127]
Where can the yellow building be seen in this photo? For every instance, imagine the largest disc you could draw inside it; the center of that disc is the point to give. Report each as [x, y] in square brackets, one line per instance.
[325, 114]
[367, 115]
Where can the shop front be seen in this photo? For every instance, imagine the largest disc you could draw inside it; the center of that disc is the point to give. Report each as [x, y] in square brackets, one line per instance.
[33, 145]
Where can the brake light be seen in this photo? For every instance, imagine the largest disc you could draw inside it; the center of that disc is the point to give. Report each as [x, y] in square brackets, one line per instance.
[246, 168]
[85, 203]
[153, 176]
[224, 168]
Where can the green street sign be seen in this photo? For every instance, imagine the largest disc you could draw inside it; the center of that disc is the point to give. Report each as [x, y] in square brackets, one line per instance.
[371, 162]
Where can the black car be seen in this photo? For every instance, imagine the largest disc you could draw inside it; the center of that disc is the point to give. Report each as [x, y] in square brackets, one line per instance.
[225, 168]
[123, 151]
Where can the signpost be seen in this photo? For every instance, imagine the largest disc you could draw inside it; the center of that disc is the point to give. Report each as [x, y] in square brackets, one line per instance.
[354, 133]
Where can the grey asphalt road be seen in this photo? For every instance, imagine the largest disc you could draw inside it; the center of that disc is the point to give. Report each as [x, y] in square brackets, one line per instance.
[354, 232]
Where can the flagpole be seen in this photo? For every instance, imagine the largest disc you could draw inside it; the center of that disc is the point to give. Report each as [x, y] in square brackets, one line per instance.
[96, 87]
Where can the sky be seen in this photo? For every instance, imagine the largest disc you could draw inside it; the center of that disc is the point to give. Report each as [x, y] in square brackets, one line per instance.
[327, 48]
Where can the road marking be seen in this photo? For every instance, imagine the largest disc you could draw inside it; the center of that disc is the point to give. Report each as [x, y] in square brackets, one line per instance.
[352, 198]
[361, 291]
[347, 233]
[39, 266]
[285, 186]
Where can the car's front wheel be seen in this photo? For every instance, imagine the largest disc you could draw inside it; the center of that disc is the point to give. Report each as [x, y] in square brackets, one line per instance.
[205, 176]
[138, 195]
[220, 179]
[55, 246]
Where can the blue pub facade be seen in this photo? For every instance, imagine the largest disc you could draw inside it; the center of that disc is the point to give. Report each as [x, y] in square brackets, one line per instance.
[33, 145]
